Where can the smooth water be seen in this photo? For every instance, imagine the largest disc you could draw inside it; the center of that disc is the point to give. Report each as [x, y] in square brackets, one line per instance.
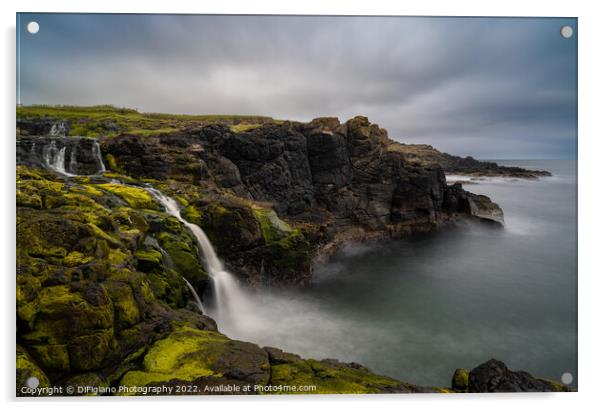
[417, 309]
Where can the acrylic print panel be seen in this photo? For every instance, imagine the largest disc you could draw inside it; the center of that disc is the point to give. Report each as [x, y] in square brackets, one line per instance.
[295, 204]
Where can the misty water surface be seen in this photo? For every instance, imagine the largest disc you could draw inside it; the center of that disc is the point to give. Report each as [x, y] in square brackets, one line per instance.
[417, 309]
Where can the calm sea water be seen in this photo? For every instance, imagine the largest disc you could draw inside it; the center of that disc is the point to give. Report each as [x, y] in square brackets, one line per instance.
[419, 308]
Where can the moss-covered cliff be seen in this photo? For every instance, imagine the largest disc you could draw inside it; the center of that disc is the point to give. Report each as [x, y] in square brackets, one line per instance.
[101, 292]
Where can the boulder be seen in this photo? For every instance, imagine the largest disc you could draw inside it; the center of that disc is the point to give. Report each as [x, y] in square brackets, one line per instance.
[494, 377]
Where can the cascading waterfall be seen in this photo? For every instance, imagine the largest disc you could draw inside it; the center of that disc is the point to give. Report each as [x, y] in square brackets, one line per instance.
[231, 304]
[55, 150]
[55, 158]
[98, 156]
[58, 129]
[73, 160]
[230, 300]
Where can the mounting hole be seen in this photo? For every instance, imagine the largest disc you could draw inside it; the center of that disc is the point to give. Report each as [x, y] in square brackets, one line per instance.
[32, 382]
[566, 378]
[33, 27]
[566, 31]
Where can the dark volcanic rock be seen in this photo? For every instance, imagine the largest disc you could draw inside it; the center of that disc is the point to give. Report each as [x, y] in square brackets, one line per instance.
[426, 155]
[494, 376]
[43, 126]
[338, 178]
[81, 155]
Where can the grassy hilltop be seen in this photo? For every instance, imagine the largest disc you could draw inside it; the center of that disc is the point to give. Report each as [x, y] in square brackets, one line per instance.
[108, 120]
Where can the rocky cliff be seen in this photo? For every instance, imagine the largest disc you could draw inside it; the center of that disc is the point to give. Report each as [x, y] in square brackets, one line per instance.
[102, 298]
[330, 181]
[426, 155]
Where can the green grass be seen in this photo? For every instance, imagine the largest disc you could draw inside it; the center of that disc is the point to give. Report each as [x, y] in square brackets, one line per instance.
[97, 120]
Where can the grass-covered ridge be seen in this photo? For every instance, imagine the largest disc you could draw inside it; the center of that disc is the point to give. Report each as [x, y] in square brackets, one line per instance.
[109, 120]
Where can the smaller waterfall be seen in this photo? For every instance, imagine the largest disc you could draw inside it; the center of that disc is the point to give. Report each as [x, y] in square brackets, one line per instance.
[169, 264]
[98, 156]
[68, 156]
[195, 295]
[231, 303]
[73, 160]
[58, 129]
[55, 158]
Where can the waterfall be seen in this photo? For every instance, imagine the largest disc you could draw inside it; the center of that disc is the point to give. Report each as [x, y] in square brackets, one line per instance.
[55, 158]
[58, 129]
[230, 300]
[169, 264]
[98, 156]
[195, 295]
[68, 156]
[73, 160]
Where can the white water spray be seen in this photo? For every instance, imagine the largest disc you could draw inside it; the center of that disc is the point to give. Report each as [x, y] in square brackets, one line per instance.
[98, 156]
[231, 303]
[197, 299]
[73, 160]
[55, 158]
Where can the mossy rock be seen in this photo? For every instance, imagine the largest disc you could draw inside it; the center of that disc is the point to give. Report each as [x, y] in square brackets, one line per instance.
[149, 260]
[272, 227]
[460, 380]
[135, 197]
[183, 251]
[292, 251]
[331, 377]
[26, 369]
[200, 356]
[84, 382]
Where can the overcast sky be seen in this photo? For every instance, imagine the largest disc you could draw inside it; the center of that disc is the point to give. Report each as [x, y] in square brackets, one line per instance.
[491, 88]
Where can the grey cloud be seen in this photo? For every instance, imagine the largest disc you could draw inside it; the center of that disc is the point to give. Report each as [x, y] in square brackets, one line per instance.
[485, 87]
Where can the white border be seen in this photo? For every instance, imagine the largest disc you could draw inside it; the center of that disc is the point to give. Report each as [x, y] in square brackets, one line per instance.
[590, 68]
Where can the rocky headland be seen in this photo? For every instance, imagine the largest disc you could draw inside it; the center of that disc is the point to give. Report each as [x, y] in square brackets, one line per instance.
[102, 269]
[426, 155]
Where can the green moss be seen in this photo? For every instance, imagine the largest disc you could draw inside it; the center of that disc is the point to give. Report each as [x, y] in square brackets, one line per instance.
[272, 227]
[291, 251]
[192, 214]
[181, 356]
[460, 380]
[190, 354]
[135, 197]
[149, 259]
[239, 128]
[185, 257]
[112, 164]
[125, 307]
[76, 258]
[119, 176]
[87, 189]
[61, 313]
[86, 380]
[168, 286]
[329, 377]
[88, 352]
[26, 368]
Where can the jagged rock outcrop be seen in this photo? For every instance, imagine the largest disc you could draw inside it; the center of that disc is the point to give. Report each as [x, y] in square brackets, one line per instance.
[75, 155]
[43, 126]
[336, 180]
[494, 377]
[426, 155]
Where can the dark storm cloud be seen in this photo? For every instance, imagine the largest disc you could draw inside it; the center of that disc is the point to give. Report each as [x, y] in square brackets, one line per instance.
[484, 87]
